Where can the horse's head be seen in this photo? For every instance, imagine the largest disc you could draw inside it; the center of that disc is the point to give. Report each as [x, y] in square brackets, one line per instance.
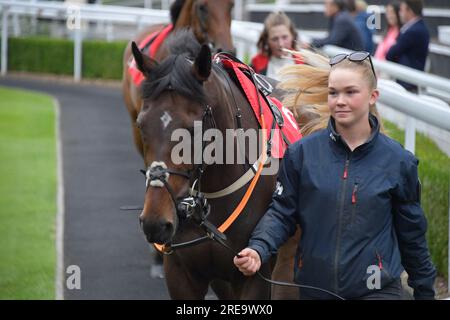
[210, 21]
[173, 99]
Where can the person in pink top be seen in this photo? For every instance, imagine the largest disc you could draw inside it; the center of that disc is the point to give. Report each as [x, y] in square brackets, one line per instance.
[394, 25]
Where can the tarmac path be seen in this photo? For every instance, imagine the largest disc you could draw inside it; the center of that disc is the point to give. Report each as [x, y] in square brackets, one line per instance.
[101, 174]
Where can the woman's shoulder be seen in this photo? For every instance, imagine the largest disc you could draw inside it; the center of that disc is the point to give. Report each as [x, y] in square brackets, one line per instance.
[312, 139]
[393, 148]
[260, 58]
[259, 62]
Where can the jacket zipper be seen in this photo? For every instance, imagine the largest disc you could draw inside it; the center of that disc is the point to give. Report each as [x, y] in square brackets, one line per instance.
[354, 200]
[341, 211]
[345, 175]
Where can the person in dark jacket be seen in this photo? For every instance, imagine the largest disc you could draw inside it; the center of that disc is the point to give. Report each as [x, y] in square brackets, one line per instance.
[358, 10]
[279, 33]
[343, 31]
[355, 194]
[411, 48]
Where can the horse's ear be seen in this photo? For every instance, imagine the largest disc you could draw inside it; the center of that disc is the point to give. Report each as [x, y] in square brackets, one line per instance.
[144, 63]
[201, 68]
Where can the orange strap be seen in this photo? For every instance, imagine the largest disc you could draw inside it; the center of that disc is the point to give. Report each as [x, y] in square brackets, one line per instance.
[250, 189]
[233, 216]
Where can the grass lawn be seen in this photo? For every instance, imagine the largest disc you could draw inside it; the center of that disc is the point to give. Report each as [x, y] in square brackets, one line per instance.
[434, 173]
[27, 195]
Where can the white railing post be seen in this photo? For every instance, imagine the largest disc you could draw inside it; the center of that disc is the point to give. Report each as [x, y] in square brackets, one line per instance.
[165, 4]
[410, 134]
[78, 44]
[148, 4]
[282, 2]
[33, 19]
[238, 9]
[240, 49]
[109, 32]
[4, 40]
[16, 24]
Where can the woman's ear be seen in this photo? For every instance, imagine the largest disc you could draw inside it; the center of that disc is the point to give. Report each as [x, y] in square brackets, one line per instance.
[374, 96]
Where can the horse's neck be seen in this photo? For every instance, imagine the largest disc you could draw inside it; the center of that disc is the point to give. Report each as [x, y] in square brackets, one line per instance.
[225, 113]
[185, 18]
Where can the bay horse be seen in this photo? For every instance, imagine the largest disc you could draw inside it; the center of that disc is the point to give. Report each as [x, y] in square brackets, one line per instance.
[209, 20]
[185, 89]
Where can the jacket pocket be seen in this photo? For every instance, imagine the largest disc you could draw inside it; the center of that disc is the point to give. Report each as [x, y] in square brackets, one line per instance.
[384, 267]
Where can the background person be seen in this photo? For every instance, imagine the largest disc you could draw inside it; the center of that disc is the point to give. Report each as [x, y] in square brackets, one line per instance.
[411, 48]
[358, 9]
[342, 30]
[393, 30]
[279, 33]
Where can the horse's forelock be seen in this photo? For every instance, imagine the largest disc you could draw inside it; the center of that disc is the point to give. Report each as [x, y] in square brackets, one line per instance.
[183, 41]
[174, 74]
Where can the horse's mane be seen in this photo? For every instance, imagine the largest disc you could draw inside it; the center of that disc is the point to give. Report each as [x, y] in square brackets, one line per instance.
[175, 10]
[184, 16]
[174, 73]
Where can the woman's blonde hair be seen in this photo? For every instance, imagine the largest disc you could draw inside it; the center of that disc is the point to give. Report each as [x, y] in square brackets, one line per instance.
[307, 89]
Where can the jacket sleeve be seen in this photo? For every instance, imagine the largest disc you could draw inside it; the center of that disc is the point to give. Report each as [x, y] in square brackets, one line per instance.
[411, 226]
[279, 221]
[337, 34]
[404, 43]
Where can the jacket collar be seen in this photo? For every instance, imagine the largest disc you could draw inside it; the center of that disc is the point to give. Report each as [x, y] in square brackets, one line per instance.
[339, 143]
[409, 24]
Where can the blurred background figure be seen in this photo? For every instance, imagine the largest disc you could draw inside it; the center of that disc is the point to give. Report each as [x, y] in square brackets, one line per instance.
[279, 33]
[411, 47]
[342, 30]
[358, 9]
[393, 30]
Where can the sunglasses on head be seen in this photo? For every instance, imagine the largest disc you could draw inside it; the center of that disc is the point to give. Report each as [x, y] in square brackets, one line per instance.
[357, 56]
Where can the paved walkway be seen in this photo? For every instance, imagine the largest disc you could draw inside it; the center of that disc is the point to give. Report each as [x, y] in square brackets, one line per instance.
[100, 175]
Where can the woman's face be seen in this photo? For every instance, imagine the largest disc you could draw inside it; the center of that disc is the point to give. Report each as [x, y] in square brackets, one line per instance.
[391, 17]
[349, 97]
[279, 37]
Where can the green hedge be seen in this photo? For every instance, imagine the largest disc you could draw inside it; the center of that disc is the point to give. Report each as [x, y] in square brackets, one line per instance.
[434, 173]
[103, 59]
[45, 55]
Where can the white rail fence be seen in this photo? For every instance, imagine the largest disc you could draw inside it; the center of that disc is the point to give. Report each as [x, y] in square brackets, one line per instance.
[245, 36]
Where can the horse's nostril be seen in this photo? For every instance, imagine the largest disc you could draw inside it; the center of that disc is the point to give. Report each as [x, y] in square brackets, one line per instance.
[167, 227]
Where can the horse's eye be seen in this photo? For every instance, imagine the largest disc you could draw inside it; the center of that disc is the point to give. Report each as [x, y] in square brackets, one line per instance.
[203, 8]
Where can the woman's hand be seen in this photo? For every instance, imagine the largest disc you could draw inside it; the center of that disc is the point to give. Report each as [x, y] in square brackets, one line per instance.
[247, 261]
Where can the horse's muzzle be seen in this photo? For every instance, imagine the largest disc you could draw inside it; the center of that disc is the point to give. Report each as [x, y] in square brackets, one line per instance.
[157, 231]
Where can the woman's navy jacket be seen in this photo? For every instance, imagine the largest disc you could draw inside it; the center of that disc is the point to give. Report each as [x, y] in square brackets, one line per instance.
[359, 213]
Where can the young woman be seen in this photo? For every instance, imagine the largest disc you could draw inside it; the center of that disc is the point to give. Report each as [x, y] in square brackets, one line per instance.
[355, 194]
[279, 33]
[393, 30]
